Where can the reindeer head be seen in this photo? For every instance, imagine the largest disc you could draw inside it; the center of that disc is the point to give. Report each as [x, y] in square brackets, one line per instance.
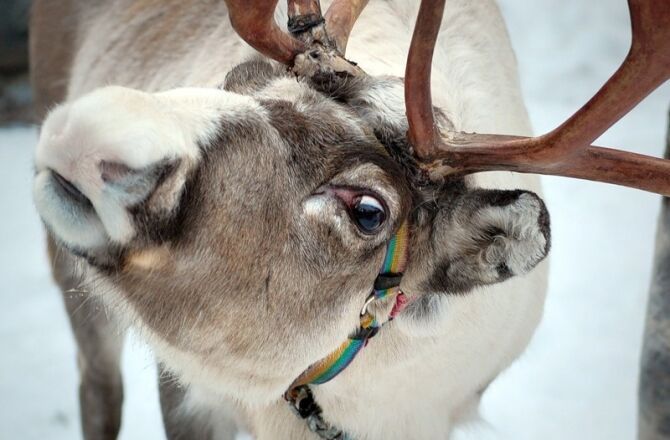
[244, 226]
[247, 224]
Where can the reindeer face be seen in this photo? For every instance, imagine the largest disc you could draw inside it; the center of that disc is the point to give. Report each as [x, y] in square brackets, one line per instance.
[245, 226]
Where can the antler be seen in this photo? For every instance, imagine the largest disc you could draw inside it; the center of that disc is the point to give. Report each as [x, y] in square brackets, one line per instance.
[565, 151]
[254, 22]
[340, 19]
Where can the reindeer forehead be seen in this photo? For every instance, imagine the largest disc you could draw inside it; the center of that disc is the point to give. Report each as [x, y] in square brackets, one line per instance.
[298, 136]
[310, 132]
[267, 82]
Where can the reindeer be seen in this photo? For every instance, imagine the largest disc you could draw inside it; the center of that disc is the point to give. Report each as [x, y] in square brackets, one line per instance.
[238, 212]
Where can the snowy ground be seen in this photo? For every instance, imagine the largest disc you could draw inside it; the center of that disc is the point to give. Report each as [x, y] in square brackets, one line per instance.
[577, 379]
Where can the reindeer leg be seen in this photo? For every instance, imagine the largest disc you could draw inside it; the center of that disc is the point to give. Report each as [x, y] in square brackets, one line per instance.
[185, 419]
[654, 389]
[178, 425]
[99, 346]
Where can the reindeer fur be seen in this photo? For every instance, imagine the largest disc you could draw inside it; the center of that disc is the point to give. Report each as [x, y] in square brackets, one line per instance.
[202, 233]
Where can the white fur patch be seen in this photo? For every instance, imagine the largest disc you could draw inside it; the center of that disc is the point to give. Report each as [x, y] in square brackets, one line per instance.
[323, 208]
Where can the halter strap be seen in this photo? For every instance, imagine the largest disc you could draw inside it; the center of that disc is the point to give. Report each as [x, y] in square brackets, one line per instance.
[386, 286]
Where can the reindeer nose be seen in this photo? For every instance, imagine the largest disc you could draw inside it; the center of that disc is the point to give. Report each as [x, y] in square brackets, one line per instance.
[69, 189]
[113, 179]
[112, 172]
[107, 152]
[133, 185]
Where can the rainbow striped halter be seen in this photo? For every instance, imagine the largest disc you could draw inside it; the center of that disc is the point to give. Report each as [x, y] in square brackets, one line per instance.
[386, 286]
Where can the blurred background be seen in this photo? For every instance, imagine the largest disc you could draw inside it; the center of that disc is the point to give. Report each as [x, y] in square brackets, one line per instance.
[577, 380]
[14, 91]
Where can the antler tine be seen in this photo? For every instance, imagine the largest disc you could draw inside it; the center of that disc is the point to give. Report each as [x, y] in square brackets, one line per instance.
[565, 151]
[254, 22]
[423, 133]
[645, 68]
[340, 19]
[303, 15]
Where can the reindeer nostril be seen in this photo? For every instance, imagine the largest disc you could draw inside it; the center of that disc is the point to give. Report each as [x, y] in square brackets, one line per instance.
[113, 171]
[70, 189]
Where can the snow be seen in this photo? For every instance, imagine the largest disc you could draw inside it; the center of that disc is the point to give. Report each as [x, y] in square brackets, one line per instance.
[578, 378]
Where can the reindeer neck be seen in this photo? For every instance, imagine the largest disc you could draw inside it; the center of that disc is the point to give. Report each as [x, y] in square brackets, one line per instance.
[155, 46]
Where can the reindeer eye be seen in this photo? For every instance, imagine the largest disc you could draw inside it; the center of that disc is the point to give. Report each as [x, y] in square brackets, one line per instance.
[368, 213]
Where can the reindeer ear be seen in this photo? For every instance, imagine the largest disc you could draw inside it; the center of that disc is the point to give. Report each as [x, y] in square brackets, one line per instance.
[251, 76]
[378, 100]
[480, 237]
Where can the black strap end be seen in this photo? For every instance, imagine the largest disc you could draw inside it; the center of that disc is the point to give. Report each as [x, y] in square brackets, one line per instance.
[387, 280]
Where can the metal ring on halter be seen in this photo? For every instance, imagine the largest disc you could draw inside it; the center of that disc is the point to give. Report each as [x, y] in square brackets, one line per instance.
[368, 300]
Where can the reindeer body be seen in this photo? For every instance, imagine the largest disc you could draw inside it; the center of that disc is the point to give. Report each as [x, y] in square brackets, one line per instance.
[422, 374]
